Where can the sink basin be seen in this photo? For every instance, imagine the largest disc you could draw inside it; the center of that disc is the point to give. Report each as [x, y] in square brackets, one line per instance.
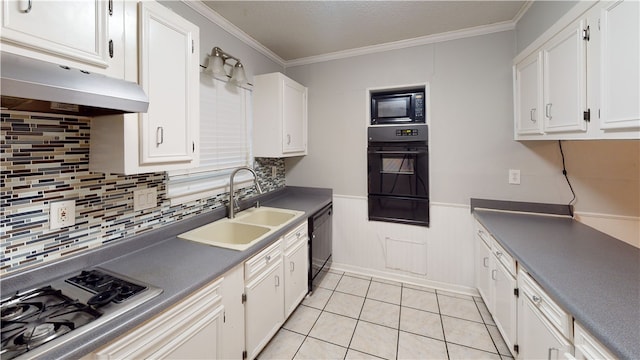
[246, 229]
[227, 234]
[266, 216]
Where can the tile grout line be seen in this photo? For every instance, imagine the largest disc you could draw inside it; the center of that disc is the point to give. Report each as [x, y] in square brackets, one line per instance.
[444, 334]
[357, 320]
[314, 323]
[399, 321]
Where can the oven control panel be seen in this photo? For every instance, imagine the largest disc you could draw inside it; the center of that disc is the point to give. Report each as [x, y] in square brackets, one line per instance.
[398, 133]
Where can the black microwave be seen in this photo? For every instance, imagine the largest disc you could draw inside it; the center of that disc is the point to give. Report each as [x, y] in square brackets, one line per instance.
[398, 107]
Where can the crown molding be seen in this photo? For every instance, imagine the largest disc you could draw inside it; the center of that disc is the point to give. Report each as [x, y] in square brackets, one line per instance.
[395, 45]
[214, 17]
[522, 11]
[217, 19]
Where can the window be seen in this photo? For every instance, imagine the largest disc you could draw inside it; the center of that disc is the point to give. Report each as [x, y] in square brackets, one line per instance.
[225, 143]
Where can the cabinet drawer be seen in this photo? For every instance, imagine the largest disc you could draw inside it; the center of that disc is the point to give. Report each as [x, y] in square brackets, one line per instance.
[552, 311]
[295, 235]
[504, 257]
[586, 347]
[483, 234]
[264, 258]
[177, 328]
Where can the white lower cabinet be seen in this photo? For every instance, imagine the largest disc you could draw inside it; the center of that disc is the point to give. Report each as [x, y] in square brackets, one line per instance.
[505, 304]
[189, 330]
[544, 329]
[232, 338]
[275, 284]
[264, 301]
[588, 348]
[495, 280]
[296, 268]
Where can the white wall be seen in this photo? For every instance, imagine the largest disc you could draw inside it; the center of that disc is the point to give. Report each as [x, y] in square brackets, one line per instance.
[471, 150]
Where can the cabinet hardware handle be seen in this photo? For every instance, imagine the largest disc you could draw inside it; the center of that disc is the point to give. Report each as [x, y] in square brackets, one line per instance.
[277, 280]
[533, 114]
[298, 235]
[268, 258]
[536, 300]
[498, 254]
[288, 139]
[28, 10]
[111, 49]
[110, 7]
[552, 350]
[484, 262]
[547, 111]
[493, 274]
[159, 136]
[292, 265]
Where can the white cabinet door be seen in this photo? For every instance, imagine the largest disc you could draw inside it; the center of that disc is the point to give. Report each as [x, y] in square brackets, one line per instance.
[296, 262]
[168, 74]
[483, 272]
[505, 303]
[620, 65]
[537, 338]
[232, 337]
[263, 308]
[565, 92]
[279, 116]
[528, 95]
[294, 113]
[189, 330]
[70, 29]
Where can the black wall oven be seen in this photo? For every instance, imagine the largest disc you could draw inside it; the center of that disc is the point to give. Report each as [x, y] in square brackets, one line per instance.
[398, 174]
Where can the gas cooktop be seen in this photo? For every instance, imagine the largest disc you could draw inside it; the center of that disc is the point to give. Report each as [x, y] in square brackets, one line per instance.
[38, 320]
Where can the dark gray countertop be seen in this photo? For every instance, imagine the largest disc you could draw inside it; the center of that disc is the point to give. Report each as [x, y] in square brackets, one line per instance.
[159, 258]
[594, 277]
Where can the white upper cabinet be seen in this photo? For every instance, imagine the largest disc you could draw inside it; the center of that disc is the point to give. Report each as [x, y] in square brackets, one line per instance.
[564, 70]
[582, 76]
[168, 74]
[620, 65]
[528, 95]
[82, 34]
[279, 116]
[166, 48]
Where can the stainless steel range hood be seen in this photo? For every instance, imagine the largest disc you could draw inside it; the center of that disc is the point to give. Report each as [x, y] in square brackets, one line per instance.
[34, 85]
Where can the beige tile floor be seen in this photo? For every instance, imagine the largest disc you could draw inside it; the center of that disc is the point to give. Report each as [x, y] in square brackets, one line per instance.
[354, 317]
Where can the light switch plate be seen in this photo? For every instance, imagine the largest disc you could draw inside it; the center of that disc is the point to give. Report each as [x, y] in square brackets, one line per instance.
[145, 199]
[514, 177]
[62, 214]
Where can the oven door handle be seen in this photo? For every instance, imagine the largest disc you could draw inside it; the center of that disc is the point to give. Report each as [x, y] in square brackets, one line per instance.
[398, 152]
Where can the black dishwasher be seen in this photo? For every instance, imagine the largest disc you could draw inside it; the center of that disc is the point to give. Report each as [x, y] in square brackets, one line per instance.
[320, 238]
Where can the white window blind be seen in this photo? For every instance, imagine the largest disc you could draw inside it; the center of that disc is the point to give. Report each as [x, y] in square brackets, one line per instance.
[225, 143]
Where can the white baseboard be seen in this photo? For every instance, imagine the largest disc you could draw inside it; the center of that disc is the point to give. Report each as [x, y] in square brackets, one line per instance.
[405, 278]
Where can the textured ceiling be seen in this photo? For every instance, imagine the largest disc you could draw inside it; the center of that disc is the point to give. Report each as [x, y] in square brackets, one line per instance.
[300, 29]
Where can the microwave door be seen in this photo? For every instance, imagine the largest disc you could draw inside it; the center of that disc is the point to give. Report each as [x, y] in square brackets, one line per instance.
[392, 109]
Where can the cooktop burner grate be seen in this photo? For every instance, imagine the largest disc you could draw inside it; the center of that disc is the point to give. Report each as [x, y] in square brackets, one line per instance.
[33, 318]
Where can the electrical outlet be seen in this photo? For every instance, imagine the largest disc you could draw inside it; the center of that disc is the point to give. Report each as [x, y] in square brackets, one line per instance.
[62, 214]
[514, 177]
[274, 171]
[145, 199]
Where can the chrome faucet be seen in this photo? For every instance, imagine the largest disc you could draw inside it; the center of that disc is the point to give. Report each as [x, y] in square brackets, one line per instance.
[232, 202]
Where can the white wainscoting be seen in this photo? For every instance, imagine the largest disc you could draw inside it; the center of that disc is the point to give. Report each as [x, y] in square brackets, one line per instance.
[400, 252]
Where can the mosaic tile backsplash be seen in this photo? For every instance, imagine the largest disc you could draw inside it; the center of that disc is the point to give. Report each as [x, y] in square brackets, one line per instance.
[46, 159]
